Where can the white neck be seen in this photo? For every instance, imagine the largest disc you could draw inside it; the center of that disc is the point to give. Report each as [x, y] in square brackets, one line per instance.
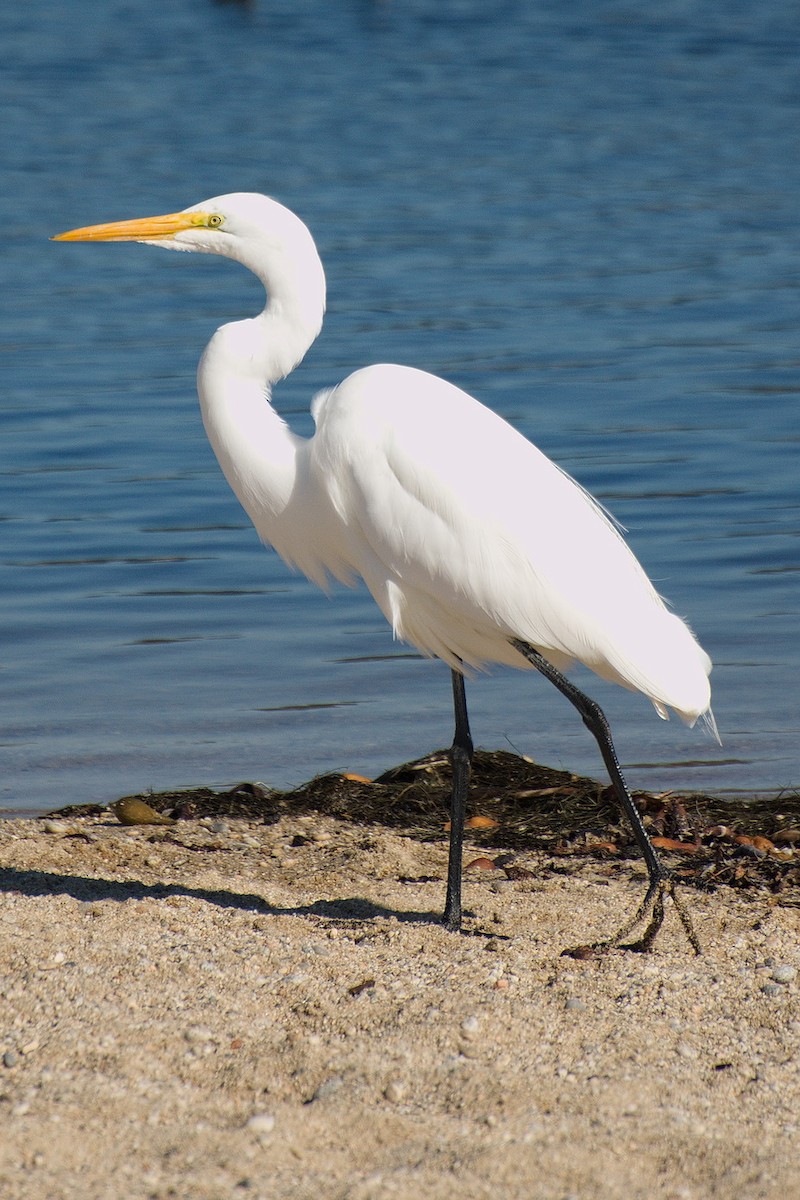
[256, 449]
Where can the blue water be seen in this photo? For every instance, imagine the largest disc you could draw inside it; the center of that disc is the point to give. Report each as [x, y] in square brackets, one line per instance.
[586, 214]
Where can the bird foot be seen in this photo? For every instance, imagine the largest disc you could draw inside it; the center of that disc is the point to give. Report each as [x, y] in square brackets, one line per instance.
[652, 905]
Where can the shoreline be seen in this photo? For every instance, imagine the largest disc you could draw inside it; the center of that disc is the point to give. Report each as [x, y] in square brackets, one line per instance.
[222, 1007]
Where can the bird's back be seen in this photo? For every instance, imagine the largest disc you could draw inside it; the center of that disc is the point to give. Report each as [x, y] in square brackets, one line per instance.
[468, 535]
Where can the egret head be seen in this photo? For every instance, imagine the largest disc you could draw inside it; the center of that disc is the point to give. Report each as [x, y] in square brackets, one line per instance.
[252, 229]
[215, 226]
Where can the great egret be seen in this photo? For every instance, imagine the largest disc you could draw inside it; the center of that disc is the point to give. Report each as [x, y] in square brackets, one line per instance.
[475, 546]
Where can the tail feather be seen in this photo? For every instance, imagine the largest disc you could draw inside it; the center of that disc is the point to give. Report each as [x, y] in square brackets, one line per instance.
[711, 725]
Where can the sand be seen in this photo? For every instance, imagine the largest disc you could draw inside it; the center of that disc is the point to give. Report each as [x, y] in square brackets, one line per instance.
[231, 1009]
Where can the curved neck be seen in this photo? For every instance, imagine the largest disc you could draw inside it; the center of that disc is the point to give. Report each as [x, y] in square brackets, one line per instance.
[255, 447]
[270, 346]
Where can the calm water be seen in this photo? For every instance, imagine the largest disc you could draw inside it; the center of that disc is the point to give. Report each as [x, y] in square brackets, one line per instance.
[585, 215]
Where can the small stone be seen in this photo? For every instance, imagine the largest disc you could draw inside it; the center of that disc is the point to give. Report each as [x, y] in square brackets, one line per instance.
[783, 973]
[320, 951]
[328, 1087]
[10, 1058]
[130, 810]
[575, 1004]
[771, 989]
[261, 1124]
[394, 1091]
[55, 827]
[198, 1033]
[480, 864]
[470, 1027]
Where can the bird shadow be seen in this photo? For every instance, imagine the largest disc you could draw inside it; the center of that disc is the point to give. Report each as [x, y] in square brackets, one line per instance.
[90, 889]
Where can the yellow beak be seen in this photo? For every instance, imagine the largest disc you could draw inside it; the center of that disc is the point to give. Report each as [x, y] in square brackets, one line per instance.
[139, 230]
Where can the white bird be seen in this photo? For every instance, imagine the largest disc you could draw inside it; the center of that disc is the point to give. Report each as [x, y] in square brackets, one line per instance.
[476, 547]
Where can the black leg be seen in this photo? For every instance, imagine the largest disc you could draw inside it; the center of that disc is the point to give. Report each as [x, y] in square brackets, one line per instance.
[461, 759]
[660, 883]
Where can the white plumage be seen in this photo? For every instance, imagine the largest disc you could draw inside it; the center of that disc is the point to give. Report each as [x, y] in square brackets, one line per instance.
[467, 536]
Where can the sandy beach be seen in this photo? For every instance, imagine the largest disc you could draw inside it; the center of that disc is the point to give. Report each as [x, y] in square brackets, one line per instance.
[223, 1008]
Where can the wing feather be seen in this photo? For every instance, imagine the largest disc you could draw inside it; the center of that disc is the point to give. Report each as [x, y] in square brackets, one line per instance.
[469, 535]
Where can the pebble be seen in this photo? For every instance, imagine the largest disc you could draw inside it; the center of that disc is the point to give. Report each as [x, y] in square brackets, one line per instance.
[198, 1033]
[10, 1058]
[261, 1124]
[772, 989]
[574, 1004]
[320, 951]
[394, 1091]
[55, 827]
[783, 973]
[132, 811]
[470, 1027]
[497, 974]
[480, 864]
[328, 1087]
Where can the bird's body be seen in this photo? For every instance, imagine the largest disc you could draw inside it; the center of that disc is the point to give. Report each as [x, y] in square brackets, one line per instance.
[476, 547]
[464, 532]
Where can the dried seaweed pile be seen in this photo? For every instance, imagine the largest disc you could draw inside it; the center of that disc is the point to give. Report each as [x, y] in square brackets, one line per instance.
[519, 805]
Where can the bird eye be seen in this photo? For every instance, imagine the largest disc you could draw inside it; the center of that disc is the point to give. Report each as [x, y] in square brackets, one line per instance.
[215, 220]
